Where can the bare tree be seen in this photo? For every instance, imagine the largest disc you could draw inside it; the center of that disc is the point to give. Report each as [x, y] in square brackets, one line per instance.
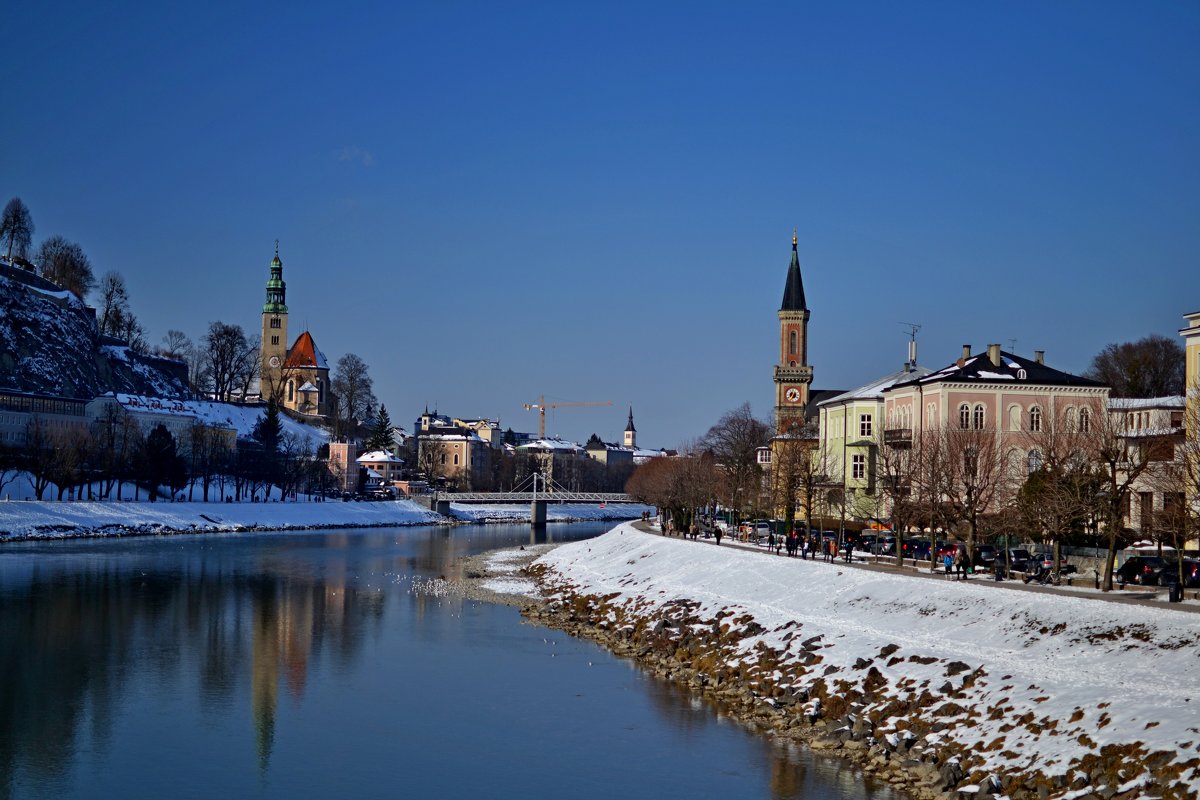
[1057, 481]
[966, 475]
[176, 345]
[66, 264]
[1120, 461]
[898, 484]
[16, 228]
[734, 443]
[431, 452]
[353, 389]
[114, 302]
[1149, 367]
[226, 354]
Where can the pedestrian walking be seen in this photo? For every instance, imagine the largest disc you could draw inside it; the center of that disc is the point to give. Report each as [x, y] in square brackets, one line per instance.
[717, 536]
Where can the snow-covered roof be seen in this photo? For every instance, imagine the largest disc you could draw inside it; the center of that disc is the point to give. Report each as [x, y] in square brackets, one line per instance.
[557, 445]
[308, 387]
[874, 389]
[1173, 402]
[979, 368]
[378, 457]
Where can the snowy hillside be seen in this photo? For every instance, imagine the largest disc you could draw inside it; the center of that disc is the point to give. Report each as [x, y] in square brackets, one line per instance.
[49, 345]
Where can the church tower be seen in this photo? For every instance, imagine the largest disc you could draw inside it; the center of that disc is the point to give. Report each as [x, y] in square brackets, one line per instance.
[631, 432]
[793, 375]
[274, 331]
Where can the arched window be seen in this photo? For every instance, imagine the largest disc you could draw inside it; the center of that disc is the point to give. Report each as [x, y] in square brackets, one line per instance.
[1035, 419]
[978, 419]
[1085, 420]
[1035, 460]
[792, 343]
[1014, 417]
[964, 416]
[1069, 418]
[320, 390]
[291, 391]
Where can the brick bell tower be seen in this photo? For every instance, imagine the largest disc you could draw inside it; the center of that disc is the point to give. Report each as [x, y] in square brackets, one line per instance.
[793, 375]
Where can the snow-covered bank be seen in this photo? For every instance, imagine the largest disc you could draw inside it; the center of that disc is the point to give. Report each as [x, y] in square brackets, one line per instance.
[1051, 693]
[555, 512]
[33, 520]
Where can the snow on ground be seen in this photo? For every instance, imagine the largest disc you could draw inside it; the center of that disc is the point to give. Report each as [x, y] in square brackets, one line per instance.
[470, 512]
[1107, 673]
[51, 519]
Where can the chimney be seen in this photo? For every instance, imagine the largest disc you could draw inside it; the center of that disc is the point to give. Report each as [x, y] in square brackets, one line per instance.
[1039, 356]
[994, 354]
[966, 354]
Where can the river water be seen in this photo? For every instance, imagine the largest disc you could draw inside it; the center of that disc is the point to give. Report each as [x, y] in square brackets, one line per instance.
[312, 664]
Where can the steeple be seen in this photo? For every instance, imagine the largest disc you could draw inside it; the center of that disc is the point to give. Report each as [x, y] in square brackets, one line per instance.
[630, 431]
[793, 291]
[276, 288]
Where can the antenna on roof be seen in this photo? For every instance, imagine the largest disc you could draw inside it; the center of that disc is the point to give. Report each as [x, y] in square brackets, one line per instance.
[1012, 345]
[913, 327]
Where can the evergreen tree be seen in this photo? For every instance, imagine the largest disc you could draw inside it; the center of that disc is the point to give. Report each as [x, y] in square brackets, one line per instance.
[268, 432]
[383, 434]
[161, 463]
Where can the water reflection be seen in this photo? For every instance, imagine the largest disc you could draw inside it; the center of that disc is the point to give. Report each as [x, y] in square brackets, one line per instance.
[235, 665]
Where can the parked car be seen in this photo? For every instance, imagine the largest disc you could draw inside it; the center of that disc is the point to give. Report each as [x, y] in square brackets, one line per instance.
[1169, 574]
[1017, 559]
[1047, 560]
[917, 548]
[885, 546]
[1140, 570]
[984, 556]
[866, 542]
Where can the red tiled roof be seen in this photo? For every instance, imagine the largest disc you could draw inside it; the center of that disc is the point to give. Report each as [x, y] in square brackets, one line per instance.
[304, 353]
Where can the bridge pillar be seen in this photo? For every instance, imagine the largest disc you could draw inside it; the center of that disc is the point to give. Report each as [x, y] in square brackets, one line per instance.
[443, 507]
[537, 514]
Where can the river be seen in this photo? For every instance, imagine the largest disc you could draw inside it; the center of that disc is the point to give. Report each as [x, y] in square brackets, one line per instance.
[314, 664]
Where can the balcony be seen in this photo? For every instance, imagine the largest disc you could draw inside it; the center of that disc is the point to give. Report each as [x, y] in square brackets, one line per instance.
[898, 437]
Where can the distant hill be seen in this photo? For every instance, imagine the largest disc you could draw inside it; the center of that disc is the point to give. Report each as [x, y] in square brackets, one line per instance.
[49, 344]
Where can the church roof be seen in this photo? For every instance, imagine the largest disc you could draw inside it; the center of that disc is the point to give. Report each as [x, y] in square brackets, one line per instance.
[793, 290]
[629, 427]
[304, 353]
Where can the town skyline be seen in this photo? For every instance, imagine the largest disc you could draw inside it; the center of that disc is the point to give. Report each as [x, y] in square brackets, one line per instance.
[612, 222]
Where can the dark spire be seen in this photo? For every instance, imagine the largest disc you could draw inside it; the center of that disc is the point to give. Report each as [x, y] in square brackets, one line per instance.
[630, 427]
[276, 288]
[793, 291]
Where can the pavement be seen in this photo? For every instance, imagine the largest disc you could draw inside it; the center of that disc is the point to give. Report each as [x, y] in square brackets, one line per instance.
[1146, 596]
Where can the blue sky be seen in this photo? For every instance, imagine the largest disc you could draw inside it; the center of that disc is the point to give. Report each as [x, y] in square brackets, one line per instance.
[488, 202]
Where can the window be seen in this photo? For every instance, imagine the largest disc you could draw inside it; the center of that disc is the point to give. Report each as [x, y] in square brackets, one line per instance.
[970, 462]
[792, 342]
[1085, 420]
[864, 425]
[978, 418]
[1014, 418]
[1071, 419]
[456, 459]
[858, 466]
[275, 340]
[274, 322]
[291, 390]
[964, 416]
[1035, 419]
[1035, 461]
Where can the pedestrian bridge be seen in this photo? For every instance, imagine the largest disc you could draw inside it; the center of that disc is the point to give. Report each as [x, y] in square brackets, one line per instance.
[501, 498]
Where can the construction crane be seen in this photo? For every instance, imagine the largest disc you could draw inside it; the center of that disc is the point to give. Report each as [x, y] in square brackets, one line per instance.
[541, 405]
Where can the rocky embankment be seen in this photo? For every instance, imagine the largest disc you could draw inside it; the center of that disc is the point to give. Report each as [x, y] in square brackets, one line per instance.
[942, 690]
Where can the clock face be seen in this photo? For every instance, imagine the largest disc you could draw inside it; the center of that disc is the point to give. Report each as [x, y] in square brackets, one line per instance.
[274, 362]
[792, 395]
